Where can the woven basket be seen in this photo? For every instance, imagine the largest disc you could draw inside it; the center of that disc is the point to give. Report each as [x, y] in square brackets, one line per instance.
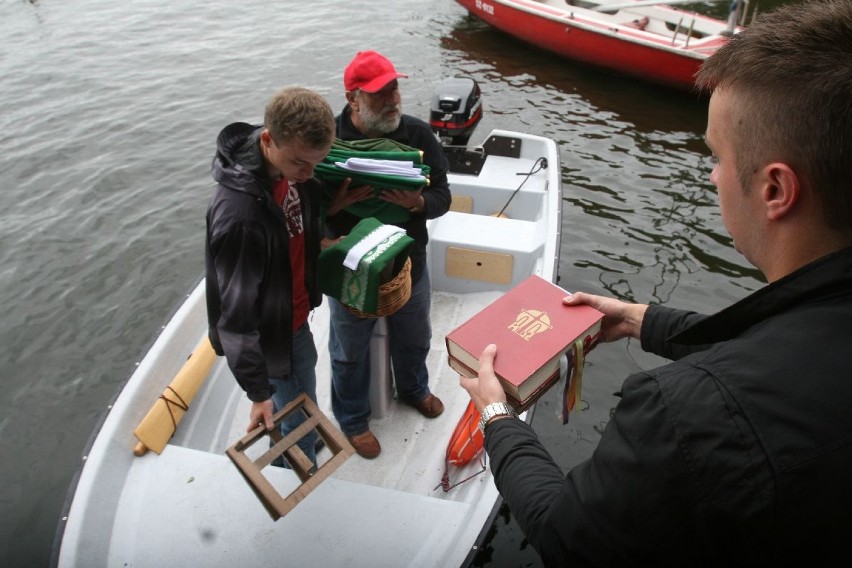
[393, 294]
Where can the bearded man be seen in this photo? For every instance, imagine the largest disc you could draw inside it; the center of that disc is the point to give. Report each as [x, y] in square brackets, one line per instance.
[374, 110]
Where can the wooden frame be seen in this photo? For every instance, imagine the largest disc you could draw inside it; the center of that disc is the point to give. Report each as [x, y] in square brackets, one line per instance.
[285, 446]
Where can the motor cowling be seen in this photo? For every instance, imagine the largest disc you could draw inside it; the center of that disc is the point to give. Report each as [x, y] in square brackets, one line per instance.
[456, 110]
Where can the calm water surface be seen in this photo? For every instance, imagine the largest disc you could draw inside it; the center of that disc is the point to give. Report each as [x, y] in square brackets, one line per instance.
[109, 115]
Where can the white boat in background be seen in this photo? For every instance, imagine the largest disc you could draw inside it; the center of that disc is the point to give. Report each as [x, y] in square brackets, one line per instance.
[189, 504]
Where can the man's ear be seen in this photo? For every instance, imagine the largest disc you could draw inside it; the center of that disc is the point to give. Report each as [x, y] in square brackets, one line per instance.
[265, 137]
[352, 99]
[781, 190]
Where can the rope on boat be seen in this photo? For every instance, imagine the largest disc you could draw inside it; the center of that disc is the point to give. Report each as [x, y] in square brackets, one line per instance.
[538, 165]
[445, 479]
[169, 402]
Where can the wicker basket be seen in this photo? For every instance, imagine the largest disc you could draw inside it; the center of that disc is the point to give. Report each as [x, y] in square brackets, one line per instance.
[393, 294]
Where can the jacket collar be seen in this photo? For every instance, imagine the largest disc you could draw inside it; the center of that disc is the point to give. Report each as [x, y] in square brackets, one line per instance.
[824, 278]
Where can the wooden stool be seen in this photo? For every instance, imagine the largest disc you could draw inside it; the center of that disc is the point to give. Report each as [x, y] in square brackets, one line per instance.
[286, 446]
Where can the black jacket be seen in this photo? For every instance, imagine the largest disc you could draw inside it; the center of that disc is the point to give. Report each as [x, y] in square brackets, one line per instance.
[247, 261]
[739, 452]
[436, 196]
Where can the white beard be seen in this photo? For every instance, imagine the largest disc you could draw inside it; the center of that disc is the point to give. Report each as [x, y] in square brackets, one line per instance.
[377, 123]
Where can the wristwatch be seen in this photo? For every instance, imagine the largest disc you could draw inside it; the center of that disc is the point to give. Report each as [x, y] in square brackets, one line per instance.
[495, 409]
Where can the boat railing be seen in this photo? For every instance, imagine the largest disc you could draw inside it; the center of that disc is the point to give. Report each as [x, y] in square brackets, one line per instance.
[689, 31]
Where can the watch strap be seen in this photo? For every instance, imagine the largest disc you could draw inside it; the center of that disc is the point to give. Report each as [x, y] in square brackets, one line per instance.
[492, 410]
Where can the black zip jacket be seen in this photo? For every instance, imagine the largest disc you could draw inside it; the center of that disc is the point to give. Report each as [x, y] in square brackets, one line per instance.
[436, 196]
[737, 453]
[247, 261]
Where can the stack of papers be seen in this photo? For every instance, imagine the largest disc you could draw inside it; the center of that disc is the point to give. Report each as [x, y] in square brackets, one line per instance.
[386, 167]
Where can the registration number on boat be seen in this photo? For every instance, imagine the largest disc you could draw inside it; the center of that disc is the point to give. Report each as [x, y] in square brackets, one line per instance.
[485, 7]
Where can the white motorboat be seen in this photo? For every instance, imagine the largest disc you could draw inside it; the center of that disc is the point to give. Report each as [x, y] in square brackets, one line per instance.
[189, 504]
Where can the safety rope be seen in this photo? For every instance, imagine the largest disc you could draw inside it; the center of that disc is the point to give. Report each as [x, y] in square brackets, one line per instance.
[181, 404]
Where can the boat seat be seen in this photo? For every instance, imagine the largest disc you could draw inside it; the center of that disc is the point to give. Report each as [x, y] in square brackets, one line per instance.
[204, 493]
[468, 255]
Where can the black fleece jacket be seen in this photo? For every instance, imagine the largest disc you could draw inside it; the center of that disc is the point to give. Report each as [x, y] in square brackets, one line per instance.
[247, 262]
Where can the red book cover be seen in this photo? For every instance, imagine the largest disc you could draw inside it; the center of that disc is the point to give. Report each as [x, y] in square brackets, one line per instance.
[532, 329]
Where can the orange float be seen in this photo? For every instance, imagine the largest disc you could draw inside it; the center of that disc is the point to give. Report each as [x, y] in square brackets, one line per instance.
[467, 440]
[466, 443]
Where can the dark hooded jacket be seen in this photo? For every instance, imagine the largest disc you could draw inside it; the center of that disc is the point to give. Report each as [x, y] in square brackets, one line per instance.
[436, 196]
[737, 453]
[247, 261]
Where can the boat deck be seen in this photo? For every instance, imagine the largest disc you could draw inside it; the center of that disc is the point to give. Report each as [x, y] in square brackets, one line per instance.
[413, 447]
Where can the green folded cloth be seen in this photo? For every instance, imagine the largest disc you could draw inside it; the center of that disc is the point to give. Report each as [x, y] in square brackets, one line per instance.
[376, 251]
[374, 149]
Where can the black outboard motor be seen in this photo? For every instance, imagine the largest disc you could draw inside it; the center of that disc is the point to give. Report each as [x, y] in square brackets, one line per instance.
[456, 110]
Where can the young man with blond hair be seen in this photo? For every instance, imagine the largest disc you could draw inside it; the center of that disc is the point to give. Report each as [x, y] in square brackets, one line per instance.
[263, 240]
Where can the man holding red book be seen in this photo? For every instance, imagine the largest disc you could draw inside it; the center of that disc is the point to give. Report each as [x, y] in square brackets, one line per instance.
[738, 451]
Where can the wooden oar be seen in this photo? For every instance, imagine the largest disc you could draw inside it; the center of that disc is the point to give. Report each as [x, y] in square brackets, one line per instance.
[160, 424]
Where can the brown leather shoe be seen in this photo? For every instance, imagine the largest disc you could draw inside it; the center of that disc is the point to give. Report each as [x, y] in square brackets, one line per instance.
[430, 407]
[365, 444]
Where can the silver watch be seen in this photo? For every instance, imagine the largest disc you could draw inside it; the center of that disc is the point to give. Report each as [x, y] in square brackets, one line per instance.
[492, 410]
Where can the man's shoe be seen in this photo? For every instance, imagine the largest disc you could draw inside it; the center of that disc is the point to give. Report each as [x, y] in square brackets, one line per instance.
[366, 445]
[430, 407]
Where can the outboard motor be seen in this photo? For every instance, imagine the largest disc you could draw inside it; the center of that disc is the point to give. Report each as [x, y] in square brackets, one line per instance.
[456, 110]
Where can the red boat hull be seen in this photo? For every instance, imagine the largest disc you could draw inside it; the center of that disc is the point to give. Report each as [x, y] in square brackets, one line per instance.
[594, 42]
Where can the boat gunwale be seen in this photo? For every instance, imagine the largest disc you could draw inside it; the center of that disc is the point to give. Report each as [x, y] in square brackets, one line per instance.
[588, 20]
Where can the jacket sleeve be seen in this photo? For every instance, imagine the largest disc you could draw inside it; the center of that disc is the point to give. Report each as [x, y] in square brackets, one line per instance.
[660, 324]
[239, 270]
[436, 197]
[612, 509]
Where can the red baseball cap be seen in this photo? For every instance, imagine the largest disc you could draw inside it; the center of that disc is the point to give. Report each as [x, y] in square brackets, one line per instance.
[369, 71]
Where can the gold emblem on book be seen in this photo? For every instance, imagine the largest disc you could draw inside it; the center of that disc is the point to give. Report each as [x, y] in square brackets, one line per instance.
[529, 323]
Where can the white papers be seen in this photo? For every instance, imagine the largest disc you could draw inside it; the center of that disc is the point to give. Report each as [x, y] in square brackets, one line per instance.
[385, 167]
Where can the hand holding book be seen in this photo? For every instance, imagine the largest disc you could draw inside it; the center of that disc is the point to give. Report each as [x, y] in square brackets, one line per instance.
[620, 320]
[486, 388]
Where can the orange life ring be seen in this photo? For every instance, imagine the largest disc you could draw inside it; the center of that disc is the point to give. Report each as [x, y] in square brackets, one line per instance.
[467, 440]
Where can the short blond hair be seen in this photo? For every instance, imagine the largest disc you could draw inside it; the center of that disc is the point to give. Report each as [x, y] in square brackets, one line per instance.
[299, 113]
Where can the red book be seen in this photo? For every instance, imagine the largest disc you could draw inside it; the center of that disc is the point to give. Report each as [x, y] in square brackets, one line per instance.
[518, 405]
[532, 329]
